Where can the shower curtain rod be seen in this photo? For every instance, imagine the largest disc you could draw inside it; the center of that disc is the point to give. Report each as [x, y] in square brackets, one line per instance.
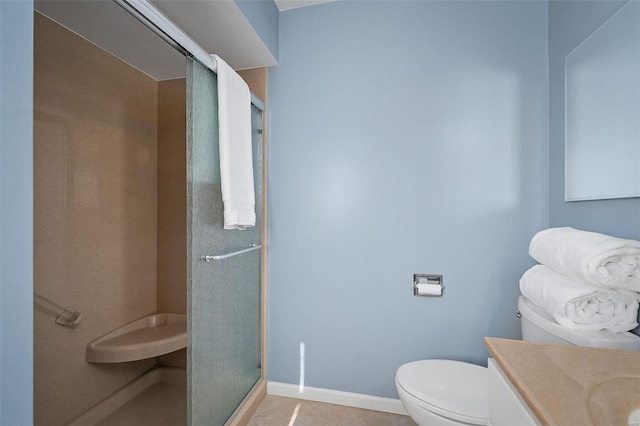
[155, 20]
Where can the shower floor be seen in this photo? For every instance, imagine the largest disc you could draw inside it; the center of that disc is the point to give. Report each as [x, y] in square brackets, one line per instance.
[161, 404]
[157, 398]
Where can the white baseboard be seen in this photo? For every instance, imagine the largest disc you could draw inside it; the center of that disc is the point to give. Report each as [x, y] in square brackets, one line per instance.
[349, 399]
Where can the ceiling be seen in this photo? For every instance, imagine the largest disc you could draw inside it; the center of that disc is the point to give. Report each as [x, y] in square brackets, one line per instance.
[294, 4]
[218, 26]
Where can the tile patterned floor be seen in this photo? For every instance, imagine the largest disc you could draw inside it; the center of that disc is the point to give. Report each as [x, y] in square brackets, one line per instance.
[280, 411]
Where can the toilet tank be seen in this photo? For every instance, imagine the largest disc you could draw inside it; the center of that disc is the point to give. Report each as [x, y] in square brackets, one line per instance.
[539, 326]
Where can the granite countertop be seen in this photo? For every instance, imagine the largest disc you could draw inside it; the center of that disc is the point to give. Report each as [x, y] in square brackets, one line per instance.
[571, 385]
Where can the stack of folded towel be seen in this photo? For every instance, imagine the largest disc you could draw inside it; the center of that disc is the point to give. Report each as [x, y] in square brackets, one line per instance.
[585, 280]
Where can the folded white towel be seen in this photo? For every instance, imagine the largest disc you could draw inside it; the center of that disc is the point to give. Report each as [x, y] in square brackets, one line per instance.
[580, 306]
[236, 160]
[597, 259]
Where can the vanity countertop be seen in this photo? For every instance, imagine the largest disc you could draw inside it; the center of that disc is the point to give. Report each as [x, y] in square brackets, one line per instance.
[571, 385]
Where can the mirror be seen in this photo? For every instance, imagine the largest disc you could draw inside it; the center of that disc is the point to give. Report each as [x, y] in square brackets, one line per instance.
[602, 111]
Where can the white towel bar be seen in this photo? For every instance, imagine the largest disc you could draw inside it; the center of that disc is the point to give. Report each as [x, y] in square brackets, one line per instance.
[252, 247]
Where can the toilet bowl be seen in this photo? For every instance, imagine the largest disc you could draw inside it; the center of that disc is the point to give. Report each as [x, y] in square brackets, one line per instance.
[442, 392]
[437, 392]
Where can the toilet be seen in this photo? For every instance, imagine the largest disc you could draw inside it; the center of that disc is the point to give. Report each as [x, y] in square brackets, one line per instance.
[439, 392]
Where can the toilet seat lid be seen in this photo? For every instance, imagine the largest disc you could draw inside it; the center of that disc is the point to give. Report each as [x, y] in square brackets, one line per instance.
[454, 386]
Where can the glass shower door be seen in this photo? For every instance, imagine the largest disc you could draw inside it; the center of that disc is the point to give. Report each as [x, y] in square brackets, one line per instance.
[223, 296]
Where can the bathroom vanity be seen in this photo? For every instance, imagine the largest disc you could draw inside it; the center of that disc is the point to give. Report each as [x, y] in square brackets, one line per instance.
[506, 406]
[533, 383]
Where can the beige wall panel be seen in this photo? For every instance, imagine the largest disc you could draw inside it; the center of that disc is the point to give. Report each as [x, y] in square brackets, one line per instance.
[256, 79]
[172, 196]
[95, 189]
[172, 205]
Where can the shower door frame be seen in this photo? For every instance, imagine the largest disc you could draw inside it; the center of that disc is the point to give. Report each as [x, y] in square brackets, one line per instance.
[157, 22]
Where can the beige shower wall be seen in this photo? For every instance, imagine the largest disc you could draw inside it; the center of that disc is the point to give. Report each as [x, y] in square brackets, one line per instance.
[95, 216]
[172, 196]
[172, 202]
[256, 79]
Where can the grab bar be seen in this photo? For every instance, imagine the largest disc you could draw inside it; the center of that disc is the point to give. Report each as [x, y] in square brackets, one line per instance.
[66, 316]
[252, 247]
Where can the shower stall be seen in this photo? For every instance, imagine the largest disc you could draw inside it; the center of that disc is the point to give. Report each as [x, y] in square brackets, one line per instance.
[132, 320]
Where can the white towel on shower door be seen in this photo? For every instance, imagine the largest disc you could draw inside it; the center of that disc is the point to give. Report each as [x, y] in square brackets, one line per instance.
[236, 159]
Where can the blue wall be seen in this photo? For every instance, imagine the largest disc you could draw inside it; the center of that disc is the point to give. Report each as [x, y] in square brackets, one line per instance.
[570, 22]
[404, 137]
[16, 212]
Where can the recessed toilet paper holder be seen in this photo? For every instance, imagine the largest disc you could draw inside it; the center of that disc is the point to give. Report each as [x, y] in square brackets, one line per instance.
[428, 285]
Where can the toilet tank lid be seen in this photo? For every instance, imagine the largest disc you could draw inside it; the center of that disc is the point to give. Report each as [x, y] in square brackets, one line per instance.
[588, 338]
